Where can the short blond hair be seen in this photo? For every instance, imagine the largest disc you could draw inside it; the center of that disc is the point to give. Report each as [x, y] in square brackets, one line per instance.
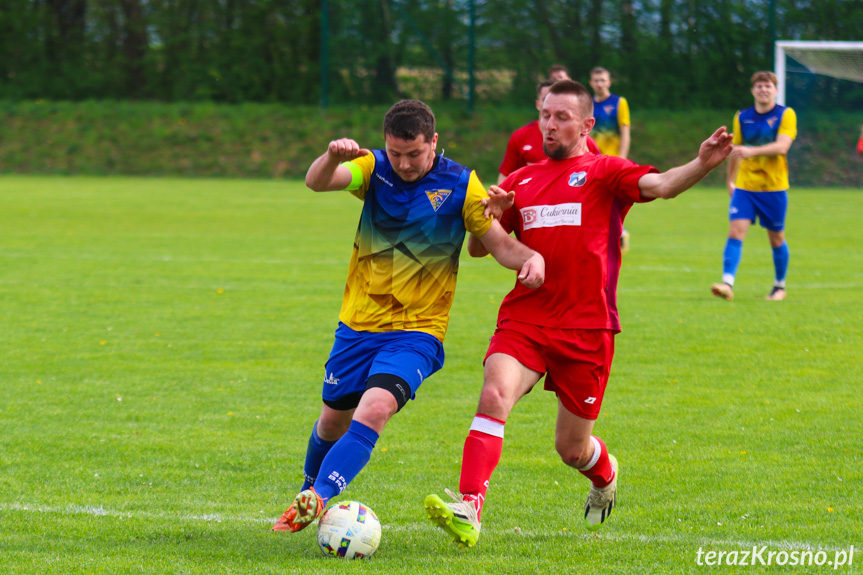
[764, 76]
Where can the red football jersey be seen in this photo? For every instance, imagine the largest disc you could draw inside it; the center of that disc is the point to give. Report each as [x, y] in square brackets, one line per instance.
[525, 148]
[571, 211]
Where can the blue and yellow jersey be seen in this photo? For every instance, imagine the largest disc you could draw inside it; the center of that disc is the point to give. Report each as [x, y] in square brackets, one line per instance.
[610, 114]
[403, 268]
[763, 173]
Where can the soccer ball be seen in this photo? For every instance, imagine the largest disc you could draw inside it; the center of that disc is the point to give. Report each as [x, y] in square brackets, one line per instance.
[349, 529]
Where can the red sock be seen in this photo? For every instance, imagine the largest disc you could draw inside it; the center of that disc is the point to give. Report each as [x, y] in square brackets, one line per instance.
[599, 469]
[482, 449]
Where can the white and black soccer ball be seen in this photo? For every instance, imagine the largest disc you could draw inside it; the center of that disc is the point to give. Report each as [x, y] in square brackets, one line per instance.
[349, 529]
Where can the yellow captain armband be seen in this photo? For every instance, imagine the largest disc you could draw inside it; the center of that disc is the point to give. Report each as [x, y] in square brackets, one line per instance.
[356, 176]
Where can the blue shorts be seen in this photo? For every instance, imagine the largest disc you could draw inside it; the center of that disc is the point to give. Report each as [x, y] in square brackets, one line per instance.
[770, 207]
[409, 355]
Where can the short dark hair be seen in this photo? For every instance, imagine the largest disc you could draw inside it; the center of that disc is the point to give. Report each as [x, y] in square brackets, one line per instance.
[410, 119]
[556, 68]
[543, 84]
[576, 89]
[599, 70]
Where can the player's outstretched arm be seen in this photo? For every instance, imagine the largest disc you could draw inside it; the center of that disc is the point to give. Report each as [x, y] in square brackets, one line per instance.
[713, 151]
[326, 174]
[512, 254]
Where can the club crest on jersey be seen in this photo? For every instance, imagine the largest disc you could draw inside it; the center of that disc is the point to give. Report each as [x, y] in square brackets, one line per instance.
[771, 121]
[577, 179]
[438, 197]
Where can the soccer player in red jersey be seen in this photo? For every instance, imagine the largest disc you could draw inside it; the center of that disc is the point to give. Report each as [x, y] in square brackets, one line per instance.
[525, 145]
[570, 209]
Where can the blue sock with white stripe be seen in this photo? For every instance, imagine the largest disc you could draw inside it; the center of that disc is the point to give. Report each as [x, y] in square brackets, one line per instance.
[731, 259]
[315, 453]
[345, 460]
[780, 263]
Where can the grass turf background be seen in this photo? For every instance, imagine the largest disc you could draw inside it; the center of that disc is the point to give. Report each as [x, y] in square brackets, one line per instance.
[162, 347]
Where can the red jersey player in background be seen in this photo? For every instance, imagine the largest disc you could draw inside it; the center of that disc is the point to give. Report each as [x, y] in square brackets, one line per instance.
[570, 209]
[525, 144]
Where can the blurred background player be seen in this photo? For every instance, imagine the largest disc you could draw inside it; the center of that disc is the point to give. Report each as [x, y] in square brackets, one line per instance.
[556, 73]
[860, 143]
[525, 144]
[612, 124]
[758, 182]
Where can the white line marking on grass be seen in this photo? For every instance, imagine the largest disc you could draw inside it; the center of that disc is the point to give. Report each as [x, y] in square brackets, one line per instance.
[100, 511]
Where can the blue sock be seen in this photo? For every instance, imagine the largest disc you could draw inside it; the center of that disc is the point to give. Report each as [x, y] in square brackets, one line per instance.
[731, 259]
[315, 453]
[780, 263]
[345, 460]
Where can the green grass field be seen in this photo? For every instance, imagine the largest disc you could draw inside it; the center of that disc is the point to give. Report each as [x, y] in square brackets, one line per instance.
[161, 353]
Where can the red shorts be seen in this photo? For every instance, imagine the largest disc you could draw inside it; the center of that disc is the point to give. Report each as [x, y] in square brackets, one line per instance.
[576, 362]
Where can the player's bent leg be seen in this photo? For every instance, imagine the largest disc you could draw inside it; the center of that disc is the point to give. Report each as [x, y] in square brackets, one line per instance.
[306, 507]
[588, 454]
[376, 408]
[329, 428]
[458, 518]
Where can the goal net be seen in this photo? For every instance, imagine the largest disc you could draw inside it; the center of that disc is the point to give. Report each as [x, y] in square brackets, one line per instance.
[840, 60]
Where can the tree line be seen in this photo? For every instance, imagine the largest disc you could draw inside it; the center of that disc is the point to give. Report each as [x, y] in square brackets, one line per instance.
[663, 53]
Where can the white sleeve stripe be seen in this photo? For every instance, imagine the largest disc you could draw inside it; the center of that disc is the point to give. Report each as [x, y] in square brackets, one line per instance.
[487, 426]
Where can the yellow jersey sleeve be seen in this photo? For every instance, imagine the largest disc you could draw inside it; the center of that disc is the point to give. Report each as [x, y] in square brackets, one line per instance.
[737, 135]
[361, 171]
[622, 112]
[788, 126]
[472, 212]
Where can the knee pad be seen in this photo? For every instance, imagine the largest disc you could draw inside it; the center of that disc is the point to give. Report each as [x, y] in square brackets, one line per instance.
[398, 387]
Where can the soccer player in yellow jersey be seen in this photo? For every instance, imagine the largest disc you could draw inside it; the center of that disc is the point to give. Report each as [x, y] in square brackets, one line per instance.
[612, 116]
[612, 125]
[417, 208]
[758, 182]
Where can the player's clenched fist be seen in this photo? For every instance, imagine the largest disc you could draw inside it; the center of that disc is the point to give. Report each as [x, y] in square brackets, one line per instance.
[345, 149]
[532, 273]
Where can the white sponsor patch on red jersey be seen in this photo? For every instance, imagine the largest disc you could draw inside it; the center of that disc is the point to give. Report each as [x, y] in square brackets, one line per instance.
[551, 216]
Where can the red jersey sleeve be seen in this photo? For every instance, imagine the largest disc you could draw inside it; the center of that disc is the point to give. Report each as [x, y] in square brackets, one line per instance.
[592, 147]
[621, 177]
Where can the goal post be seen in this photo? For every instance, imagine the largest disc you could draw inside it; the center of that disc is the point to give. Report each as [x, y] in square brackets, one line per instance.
[843, 60]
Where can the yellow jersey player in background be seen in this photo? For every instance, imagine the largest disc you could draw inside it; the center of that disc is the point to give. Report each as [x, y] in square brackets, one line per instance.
[611, 131]
[758, 182]
[417, 208]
